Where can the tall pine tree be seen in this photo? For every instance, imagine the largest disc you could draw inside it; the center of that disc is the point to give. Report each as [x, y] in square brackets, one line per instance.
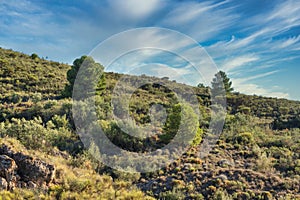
[221, 84]
[87, 72]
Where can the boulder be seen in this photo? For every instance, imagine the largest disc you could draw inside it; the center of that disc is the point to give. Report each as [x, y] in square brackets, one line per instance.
[8, 171]
[34, 170]
[18, 169]
[8, 167]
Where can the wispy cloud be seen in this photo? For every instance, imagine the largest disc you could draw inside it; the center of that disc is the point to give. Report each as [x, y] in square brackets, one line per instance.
[287, 12]
[134, 9]
[291, 42]
[201, 20]
[250, 88]
[248, 42]
[237, 62]
[243, 80]
[265, 43]
[246, 86]
[138, 48]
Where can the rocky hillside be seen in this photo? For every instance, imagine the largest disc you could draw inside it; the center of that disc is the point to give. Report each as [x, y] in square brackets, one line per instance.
[42, 157]
[23, 171]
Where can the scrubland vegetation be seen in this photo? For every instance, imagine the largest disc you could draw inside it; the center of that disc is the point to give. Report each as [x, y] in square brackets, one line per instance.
[256, 157]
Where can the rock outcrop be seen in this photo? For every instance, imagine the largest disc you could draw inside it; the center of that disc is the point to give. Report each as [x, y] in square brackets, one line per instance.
[20, 170]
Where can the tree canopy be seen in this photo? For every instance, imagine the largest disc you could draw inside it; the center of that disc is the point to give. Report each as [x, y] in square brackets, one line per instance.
[221, 83]
[87, 77]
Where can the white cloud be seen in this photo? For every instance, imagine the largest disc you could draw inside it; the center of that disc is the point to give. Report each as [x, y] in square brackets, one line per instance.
[251, 89]
[260, 47]
[290, 42]
[244, 85]
[180, 15]
[15, 6]
[287, 11]
[132, 49]
[239, 61]
[73, 31]
[201, 20]
[243, 80]
[260, 30]
[135, 9]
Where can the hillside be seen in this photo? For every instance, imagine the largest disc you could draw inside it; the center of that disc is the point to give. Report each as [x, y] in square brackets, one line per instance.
[256, 157]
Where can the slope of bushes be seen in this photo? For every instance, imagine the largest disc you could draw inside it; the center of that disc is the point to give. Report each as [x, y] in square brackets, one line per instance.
[256, 157]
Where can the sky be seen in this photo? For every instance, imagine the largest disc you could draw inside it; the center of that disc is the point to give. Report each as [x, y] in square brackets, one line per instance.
[256, 42]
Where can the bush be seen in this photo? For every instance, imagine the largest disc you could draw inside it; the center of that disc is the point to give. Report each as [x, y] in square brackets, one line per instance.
[34, 56]
[244, 109]
[36, 97]
[175, 194]
[34, 135]
[221, 195]
[244, 138]
[15, 98]
[264, 163]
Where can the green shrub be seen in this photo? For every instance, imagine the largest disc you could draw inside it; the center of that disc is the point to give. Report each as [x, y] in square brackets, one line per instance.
[175, 194]
[244, 138]
[266, 196]
[244, 109]
[264, 163]
[33, 134]
[15, 98]
[34, 56]
[221, 195]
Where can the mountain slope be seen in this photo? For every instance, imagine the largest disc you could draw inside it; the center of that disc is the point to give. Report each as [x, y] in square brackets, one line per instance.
[256, 157]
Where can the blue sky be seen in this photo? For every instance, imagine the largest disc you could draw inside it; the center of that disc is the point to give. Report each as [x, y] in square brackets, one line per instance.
[257, 42]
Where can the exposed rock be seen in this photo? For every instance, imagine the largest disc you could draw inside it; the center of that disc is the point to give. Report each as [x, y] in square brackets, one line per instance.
[3, 184]
[7, 166]
[19, 170]
[34, 169]
[225, 163]
[8, 171]
[31, 185]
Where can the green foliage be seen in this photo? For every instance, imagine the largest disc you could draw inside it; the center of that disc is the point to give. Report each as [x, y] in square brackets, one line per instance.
[72, 182]
[201, 85]
[264, 163]
[90, 78]
[198, 137]
[244, 138]
[15, 98]
[25, 75]
[182, 121]
[172, 124]
[34, 56]
[34, 135]
[244, 109]
[60, 122]
[175, 194]
[261, 135]
[221, 195]
[221, 83]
